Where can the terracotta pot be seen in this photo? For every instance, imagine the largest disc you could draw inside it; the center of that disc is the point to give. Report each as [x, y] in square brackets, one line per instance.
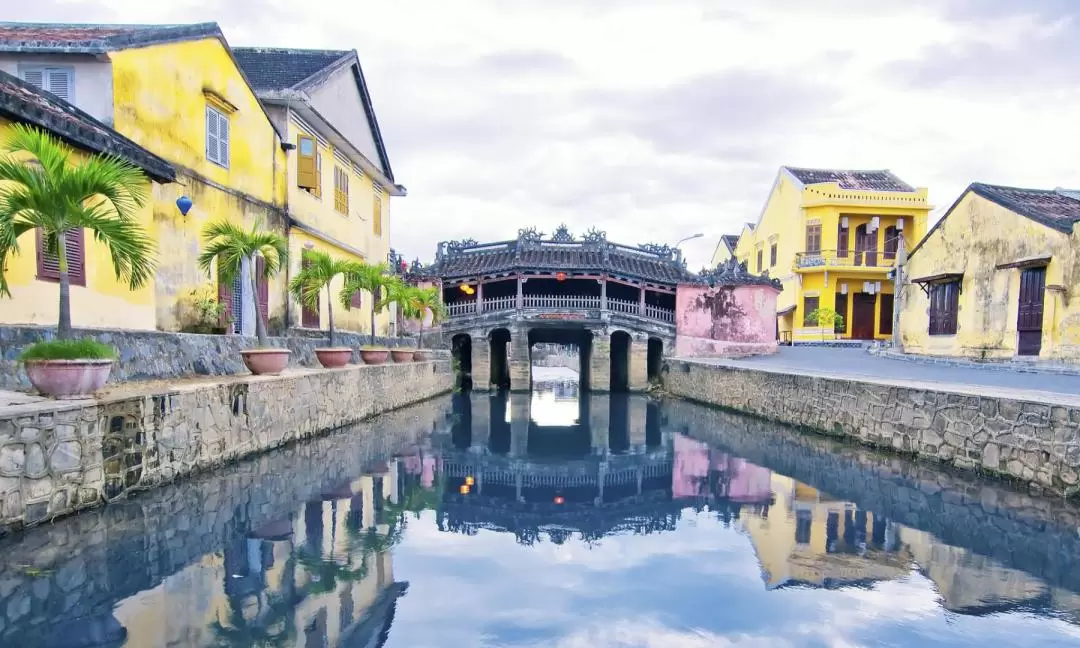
[403, 355]
[68, 379]
[374, 356]
[420, 355]
[266, 362]
[334, 357]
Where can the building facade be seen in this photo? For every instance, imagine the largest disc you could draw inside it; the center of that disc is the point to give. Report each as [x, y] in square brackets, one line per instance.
[994, 278]
[339, 181]
[832, 238]
[725, 250]
[97, 297]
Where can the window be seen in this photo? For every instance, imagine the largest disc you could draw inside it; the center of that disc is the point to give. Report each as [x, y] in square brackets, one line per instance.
[944, 304]
[307, 169]
[810, 304]
[759, 255]
[356, 300]
[892, 239]
[48, 265]
[59, 81]
[217, 137]
[813, 238]
[772, 255]
[842, 238]
[376, 213]
[341, 190]
[317, 189]
[841, 310]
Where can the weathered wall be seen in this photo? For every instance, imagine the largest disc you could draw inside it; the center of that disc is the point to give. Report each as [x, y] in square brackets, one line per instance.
[1038, 443]
[57, 457]
[725, 320]
[151, 355]
[989, 298]
[92, 77]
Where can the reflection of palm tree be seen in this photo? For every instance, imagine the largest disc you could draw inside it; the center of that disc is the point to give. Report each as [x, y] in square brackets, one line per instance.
[273, 626]
[326, 572]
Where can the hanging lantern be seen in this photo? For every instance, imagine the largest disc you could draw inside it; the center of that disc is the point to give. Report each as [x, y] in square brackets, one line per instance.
[184, 204]
[469, 481]
[559, 499]
[560, 276]
[464, 490]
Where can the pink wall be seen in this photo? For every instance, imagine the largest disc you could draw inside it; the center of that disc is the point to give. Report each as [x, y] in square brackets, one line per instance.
[725, 321]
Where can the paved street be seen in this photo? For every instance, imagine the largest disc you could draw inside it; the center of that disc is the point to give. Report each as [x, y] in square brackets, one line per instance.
[859, 363]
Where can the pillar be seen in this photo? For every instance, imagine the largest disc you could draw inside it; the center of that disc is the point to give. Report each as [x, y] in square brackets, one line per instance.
[520, 362]
[479, 297]
[603, 293]
[600, 362]
[637, 415]
[520, 293]
[639, 363]
[519, 424]
[481, 426]
[599, 421]
[641, 301]
[481, 362]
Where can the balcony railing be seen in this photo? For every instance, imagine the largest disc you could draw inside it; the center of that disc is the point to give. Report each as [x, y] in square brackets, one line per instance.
[556, 302]
[845, 259]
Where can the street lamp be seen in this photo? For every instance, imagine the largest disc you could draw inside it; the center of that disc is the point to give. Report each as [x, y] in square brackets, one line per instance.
[688, 238]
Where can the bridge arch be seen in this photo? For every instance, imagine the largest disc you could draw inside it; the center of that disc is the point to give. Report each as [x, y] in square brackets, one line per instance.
[462, 353]
[619, 361]
[654, 358]
[499, 341]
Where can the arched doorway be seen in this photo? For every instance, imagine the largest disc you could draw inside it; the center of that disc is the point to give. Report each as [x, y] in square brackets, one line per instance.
[499, 339]
[620, 362]
[461, 351]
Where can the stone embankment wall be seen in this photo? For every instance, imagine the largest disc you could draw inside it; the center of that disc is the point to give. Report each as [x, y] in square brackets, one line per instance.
[153, 355]
[57, 457]
[1037, 442]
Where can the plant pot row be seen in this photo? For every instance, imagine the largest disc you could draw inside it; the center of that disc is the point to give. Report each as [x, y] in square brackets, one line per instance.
[270, 362]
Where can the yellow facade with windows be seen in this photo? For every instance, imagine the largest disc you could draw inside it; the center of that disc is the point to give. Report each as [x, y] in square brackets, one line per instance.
[832, 238]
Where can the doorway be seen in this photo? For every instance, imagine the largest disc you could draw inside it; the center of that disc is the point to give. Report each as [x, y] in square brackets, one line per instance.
[862, 316]
[865, 246]
[1030, 315]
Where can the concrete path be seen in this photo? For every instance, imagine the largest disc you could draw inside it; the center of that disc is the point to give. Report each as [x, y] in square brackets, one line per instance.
[857, 363]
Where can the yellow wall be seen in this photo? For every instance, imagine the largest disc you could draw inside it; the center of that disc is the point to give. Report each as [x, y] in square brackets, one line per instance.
[161, 93]
[964, 242]
[720, 254]
[788, 210]
[103, 302]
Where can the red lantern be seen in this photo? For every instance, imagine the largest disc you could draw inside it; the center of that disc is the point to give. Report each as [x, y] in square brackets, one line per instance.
[560, 276]
[559, 499]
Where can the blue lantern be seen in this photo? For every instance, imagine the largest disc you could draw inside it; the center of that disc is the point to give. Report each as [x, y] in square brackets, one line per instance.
[184, 204]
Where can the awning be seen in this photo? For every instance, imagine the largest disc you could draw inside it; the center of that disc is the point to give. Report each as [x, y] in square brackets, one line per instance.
[789, 309]
[944, 277]
[1026, 262]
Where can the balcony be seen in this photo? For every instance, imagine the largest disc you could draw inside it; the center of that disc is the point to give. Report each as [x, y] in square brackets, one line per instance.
[561, 302]
[846, 259]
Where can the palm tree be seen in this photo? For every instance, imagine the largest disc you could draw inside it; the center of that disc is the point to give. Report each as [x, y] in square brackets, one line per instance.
[229, 244]
[317, 273]
[424, 301]
[41, 187]
[372, 278]
[398, 292]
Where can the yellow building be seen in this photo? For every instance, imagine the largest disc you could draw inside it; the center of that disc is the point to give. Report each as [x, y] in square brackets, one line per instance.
[339, 177]
[97, 298]
[996, 278]
[831, 237]
[725, 249]
[177, 91]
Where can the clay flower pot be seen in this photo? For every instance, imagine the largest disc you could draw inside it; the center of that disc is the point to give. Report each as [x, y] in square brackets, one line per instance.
[374, 356]
[67, 379]
[403, 355]
[421, 355]
[334, 357]
[266, 362]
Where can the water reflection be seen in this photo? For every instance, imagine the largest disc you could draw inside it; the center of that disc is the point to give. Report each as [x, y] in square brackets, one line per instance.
[547, 518]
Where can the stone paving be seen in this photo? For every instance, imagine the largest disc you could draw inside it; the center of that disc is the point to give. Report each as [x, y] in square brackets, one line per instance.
[858, 364]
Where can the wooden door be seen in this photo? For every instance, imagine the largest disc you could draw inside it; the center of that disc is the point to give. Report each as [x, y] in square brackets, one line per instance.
[865, 246]
[841, 309]
[1030, 316]
[309, 318]
[862, 316]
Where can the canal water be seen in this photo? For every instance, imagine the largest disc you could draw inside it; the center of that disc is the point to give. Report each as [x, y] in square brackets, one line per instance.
[555, 520]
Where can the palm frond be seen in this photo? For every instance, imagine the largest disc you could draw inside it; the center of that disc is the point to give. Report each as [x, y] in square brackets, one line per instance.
[229, 244]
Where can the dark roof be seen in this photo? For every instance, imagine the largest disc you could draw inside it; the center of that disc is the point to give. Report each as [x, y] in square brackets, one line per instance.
[882, 180]
[22, 102]
[284, 69]
[84, 38]
[1057, 209]
[730, 241]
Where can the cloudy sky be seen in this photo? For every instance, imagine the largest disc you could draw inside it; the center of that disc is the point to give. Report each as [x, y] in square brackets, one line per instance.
[659, 119]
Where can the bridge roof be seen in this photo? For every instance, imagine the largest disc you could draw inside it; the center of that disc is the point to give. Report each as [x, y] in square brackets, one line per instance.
[562, 251]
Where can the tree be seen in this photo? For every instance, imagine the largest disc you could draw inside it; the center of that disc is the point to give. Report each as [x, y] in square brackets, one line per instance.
[372, 278]
[229, 244]
[42, 187]
[398, 292]
[428, 300]
[826, 318]
[318, 273]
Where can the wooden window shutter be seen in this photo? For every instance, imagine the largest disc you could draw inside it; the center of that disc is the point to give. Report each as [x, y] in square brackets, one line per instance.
[810, 304]
[263, 285]
[341, 190]
[356, 301]
[35, 78]
[376, 214]
[48, 265]
[305, 162]
[891, 242]
[842, 237]
[223, 139]
[224, 292]
[217, 137]
[813, 238]
[59, 82]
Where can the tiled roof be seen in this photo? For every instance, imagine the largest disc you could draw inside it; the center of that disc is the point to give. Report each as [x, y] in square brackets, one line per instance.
[730, 241]
[1056, 208]
[76, 38]
[639, 266]
[282, 69]
[22, 102]
[882, 180]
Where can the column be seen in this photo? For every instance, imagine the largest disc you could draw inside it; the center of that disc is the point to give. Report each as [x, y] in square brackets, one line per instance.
[481, 362]
[520, 362]
[479, 297]
[641, 301]
[636, 422]
[603, 293]
[600, 362]
[520, 293]
[639, 363]
[519, 424]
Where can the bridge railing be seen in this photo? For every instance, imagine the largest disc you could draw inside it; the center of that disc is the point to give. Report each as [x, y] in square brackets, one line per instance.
[555, 302]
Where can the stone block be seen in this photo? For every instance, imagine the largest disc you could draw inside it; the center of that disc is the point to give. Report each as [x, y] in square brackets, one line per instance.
[29, 434]
[13, 460]
[37, 489]
[66, 431]
[35, 461]
[66, 457]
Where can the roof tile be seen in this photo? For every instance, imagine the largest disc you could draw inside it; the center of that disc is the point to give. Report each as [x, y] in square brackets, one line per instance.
[1052, 207]
[882, 180]
[85, 38]
[283, 69]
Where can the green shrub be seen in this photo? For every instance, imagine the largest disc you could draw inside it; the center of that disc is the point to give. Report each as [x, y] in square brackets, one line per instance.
[81, 349]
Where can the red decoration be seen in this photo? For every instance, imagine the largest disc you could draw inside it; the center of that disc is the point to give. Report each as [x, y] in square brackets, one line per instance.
[559, 499]
[560, 276]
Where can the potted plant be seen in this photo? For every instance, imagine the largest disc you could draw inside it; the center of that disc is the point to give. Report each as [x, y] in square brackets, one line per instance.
[229, 245]
[424, 301]
[42, 188]
[373, 278]
[400, 293]
[318, 272]
[827, 319]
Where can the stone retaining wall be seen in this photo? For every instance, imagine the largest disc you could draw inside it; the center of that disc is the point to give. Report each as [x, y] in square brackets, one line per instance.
[1036, 442]
[153, 355]
[58, 457]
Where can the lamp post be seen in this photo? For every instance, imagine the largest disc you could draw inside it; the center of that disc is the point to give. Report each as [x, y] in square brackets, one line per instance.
[688, 238]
